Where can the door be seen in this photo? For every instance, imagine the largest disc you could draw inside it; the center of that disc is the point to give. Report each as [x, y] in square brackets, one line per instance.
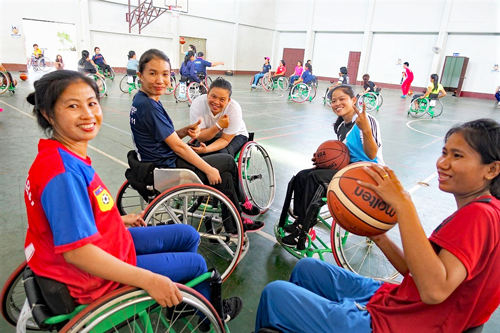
[353, 66]
[453, 74]
[291, 56]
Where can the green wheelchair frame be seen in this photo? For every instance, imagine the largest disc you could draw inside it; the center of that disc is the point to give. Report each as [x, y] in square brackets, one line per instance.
[124, 309]
[6, 83]
[108, 75]
[301, 92]
[269, 84]
[419, 106]
[372, 101]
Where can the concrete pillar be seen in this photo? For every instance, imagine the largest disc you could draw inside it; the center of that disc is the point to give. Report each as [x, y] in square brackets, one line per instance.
[311, 34]
[235, 35]
[438, 59]
[367, 41]
[82, 28]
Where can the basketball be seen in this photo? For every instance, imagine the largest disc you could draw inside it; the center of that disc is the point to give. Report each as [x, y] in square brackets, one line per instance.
[332, 154]
[358, 209]
[182, 40]
[410, 93]
[23, 76]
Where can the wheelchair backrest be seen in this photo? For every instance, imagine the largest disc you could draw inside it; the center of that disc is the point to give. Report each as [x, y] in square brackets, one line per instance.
[167, 178]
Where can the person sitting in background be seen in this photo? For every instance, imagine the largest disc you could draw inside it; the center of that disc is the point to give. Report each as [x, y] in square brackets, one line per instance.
[37, 52]
[296, 73]
[280, 71]
[368, 85]
[187, 71]
[85, 65]
[343, 79]
[132, 66]
[99, 60]
[434, 90]
[265, 69]
[59, 63]
[200, 65]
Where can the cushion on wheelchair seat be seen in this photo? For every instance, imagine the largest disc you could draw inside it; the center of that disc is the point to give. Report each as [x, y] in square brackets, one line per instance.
[184, 79]
[46, 297]
[140, 175]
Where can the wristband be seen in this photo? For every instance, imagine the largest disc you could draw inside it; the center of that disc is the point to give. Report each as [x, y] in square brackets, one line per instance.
[218, 126]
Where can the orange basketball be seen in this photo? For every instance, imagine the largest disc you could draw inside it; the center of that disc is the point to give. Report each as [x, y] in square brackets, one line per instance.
[332, 154]
[410, 93]
[182, 40]
[23, 76]
[356, 208]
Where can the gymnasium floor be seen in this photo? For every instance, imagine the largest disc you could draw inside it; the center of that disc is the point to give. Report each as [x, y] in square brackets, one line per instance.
[290, 132]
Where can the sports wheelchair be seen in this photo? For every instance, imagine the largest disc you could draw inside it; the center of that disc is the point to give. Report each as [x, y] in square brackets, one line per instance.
[169, 196]
[43, 63]
[421, 105]
[302, 92]
[358, 254]
[127, 309]
[260, 81]
[187, 90]
[268, 83]
[6, 82]
[107, 74]
[371, 100]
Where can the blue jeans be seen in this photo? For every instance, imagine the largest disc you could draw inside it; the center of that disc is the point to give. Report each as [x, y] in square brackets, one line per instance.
[292, 79]
[257, 77]
[170, 250]
[320, 297]
[497, 95]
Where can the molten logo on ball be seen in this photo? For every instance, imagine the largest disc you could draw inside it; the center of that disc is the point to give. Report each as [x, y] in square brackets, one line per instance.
[374, 201]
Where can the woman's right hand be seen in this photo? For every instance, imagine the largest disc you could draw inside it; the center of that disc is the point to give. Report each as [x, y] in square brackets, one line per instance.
[213, 176]
[163, 290]
[313, 159]
[223, 121]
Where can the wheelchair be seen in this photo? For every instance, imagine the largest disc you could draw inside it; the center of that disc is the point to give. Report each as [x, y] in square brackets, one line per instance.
[39, 64]
[173, 83]
[358, 254]
[181, 91]
[107, 74]
[372, 101]
[127, 309]
[169, 196]
[6, 83]
[281, 83]
[260, 81]
[195, 89]
[302, 92]
[421, 105]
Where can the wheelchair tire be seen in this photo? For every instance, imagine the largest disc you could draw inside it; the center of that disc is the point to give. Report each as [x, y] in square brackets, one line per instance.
[176, 93]
[438, 109]
[267, 83]
[44, 63]
[4, 82]
[257, 175]
[13, 297]
[201, 207]
[129, 201]
[371, 101]
[283, 83]
[312, 93]
[111, 74]
[101, 84]
[208, 81]
[119, 311]
[195, 90]
[170, 91]
[300, 93]
[360, 255]
[124, 84]
[380, 101]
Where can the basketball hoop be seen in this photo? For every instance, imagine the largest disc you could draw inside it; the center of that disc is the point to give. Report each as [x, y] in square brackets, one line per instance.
[175, 13]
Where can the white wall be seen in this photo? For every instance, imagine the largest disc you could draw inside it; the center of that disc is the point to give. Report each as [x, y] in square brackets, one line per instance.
[249, 56]
[387, 48]
[475, 16]
[479, 76]
[290, 40]
[331, 51]
[340, 15]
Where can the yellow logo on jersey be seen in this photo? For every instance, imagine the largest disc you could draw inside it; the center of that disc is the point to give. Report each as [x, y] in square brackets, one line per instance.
[104, 200]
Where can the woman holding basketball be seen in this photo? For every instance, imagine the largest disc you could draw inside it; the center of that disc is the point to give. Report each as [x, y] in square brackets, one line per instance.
[451, 279]
[361, 134]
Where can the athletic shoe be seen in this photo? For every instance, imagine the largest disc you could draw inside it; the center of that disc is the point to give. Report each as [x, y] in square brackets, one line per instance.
[248, 208]
[254, 86]
[251, 226]
[403, 96]
[498, 103]
[292, 228]
[232, 308]
[297, 240]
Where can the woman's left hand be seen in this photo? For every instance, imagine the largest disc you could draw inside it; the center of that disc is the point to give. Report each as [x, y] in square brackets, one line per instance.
[388, 186]
[134, 220]
[193, 130]
[202, 149]
[362, 119]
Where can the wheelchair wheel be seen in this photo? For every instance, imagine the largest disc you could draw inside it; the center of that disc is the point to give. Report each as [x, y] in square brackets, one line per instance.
[267, 83]
[283, 83]
[130, 309]
[418, 107]
[300, 93]
[111, 74]
[436, 110]
[4, 82]
[13, 297]
[129, 201]
[45, 64]
[380, 100]
[181, 96]
[202, 207]
[194, 90]
[312, 93]
[101, 84]
[360, 255]
[124, 84]
[257, 175]
[208, 81]
[370, 100]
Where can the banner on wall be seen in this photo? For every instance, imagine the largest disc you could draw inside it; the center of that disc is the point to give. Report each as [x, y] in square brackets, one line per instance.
[495, 68]
[15, 31]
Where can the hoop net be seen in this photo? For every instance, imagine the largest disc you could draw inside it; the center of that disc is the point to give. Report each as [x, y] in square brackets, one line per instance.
[175, 10]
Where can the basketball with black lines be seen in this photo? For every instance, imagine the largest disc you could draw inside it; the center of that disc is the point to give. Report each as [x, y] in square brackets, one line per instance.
[332, 154]
[356, 208]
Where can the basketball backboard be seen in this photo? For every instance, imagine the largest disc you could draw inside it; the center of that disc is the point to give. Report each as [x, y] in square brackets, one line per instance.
[180, 6]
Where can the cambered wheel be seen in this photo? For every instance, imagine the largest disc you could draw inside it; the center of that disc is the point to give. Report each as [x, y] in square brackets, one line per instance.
[181, 92]
[129, 201]
[360, 255]
[418, 107]
[267, 83]
[257, 175]
[124, 84]
[300, 93]
[13, 297]
[211, 214]
[45, 64]
[4, 82]
[130, 309]
[194, 90]
[101, 84]
[370, 100]
[283, 83]
[437, 109]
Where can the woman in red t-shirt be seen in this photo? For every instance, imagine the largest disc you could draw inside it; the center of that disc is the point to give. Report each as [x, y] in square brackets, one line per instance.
[280, 71]
[451, 279]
